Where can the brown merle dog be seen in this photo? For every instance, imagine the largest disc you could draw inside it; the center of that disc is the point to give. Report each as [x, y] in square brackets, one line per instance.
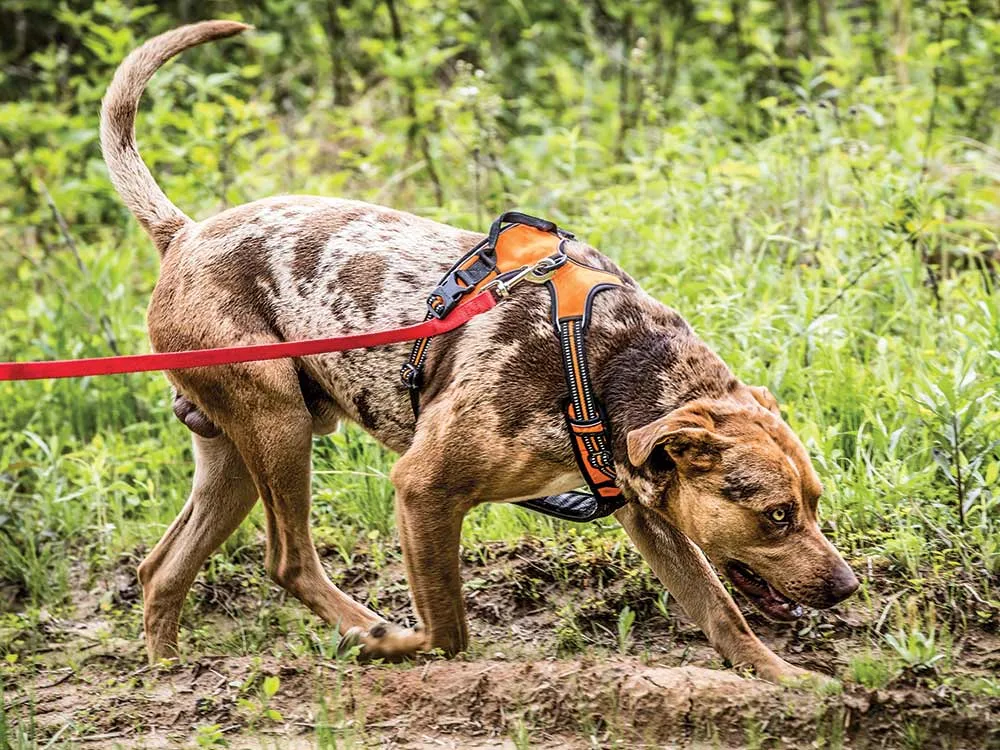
[709, 467]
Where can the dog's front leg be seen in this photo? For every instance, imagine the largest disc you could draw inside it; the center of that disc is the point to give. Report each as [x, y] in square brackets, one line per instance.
[683, 569]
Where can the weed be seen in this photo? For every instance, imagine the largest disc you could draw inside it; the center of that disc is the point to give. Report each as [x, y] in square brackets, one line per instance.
[210, 735]
[918, 641]
[520, 734]
[873, 670]
[569, 637]
[755, 734]
[626, 620]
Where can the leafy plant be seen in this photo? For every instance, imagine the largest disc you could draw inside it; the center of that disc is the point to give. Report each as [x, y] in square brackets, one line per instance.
[626, 619]
[873, 670]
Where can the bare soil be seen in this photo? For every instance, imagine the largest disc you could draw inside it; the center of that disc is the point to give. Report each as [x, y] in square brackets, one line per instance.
[547, 670]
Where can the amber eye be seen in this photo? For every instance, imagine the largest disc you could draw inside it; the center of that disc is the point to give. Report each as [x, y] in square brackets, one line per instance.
[779, 515]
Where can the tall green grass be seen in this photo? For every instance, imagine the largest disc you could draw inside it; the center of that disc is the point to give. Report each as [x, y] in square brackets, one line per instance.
[841, 260]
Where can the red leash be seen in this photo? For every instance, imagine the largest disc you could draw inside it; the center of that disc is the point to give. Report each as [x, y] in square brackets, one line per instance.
[77, 368]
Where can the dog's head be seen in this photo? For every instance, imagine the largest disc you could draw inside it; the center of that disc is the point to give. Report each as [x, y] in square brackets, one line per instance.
[737, 481]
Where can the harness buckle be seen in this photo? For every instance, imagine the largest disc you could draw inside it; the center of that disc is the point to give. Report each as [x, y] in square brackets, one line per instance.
[411, 376]
[459, 282]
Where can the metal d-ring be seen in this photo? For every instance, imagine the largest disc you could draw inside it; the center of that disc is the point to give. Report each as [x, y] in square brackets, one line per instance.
[546, 268]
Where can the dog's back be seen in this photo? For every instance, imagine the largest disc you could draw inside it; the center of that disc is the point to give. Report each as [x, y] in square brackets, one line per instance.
[296, 267]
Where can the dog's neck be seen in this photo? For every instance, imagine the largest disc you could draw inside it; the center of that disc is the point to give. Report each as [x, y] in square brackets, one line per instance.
[657, 365]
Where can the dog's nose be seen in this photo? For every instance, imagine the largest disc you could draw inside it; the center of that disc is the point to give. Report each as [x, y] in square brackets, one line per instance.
[842, 583]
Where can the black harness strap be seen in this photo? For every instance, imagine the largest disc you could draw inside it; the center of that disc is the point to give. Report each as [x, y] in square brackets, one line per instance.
[589, 429]
[473, 268]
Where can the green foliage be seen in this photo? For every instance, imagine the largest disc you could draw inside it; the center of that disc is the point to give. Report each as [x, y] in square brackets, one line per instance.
[873, 670]
[626, 620]
[815, 189]
[918, 641]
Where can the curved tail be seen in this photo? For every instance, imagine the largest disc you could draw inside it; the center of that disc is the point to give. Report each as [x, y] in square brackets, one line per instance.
[159, 217]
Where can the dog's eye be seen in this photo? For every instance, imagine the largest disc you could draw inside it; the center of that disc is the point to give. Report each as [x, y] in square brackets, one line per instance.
[780, 516]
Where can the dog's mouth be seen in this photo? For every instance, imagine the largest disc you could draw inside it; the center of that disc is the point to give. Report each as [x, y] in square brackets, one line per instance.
[771, 602]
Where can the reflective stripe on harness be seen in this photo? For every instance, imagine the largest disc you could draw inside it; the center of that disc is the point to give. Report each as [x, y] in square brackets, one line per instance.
[516, 243]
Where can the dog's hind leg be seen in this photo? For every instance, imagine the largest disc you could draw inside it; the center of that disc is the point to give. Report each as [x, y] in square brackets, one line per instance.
[222, 495]
[264, 411]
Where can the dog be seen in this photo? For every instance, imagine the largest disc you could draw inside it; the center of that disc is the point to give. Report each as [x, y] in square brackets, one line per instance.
[712, 473]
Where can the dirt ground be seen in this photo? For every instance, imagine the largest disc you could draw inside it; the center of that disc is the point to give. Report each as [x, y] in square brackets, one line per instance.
[535, 678]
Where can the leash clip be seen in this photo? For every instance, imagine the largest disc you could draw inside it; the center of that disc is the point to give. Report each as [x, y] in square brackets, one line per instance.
[538, 273]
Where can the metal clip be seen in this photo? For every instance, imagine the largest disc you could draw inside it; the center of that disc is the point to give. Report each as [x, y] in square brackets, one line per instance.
[538, 273]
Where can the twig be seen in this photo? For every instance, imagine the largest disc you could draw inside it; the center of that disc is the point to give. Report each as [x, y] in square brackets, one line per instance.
[71, 244]
[623, 85]
[885, 612]
[57, 735]
[141, 670]
[398, 177]
[415, 132]
[60, 681]
[97, 737]
[67, 296]
[864, 271]
[956, 457]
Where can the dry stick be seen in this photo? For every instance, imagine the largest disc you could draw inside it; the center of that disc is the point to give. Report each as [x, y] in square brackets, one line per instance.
[336, 38]
[913, 236]
[864, 271]
[55, 280]
[623, 81]
[935, 89]
[931, 121]
[956, 457]
[71, 244]
[491, 153]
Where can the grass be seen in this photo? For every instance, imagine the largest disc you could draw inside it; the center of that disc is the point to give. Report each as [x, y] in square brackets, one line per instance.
[894, 394]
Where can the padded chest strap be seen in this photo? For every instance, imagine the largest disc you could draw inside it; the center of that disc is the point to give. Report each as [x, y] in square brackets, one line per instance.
[516, 241]
[573, 289]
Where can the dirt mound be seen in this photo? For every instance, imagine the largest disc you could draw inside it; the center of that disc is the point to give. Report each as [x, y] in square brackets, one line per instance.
[547, 703]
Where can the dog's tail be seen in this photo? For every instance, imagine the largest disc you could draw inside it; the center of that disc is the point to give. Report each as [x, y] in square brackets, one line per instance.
[159, 217]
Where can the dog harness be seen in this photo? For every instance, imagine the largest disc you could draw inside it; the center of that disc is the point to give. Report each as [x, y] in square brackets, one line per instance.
[524, 248]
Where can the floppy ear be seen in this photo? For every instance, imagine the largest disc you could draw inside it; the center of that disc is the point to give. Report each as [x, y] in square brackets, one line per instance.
[687, 436]
[766, 399]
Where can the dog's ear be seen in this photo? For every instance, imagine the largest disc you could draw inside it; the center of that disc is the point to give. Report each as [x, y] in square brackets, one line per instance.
[766, 399]
[686, 434]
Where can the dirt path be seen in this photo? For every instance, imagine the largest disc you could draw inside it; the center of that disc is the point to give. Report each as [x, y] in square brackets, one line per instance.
[551, 703]
[538, 677]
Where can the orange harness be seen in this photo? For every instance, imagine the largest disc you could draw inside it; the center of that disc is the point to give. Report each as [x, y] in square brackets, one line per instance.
[521, 247]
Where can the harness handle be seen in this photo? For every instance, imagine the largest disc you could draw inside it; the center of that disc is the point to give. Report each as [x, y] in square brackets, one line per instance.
[516, 217]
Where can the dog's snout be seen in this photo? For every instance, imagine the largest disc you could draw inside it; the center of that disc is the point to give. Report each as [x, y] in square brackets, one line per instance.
[842, 584]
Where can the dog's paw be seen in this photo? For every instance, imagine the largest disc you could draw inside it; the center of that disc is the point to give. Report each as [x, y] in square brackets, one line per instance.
[386, 641]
